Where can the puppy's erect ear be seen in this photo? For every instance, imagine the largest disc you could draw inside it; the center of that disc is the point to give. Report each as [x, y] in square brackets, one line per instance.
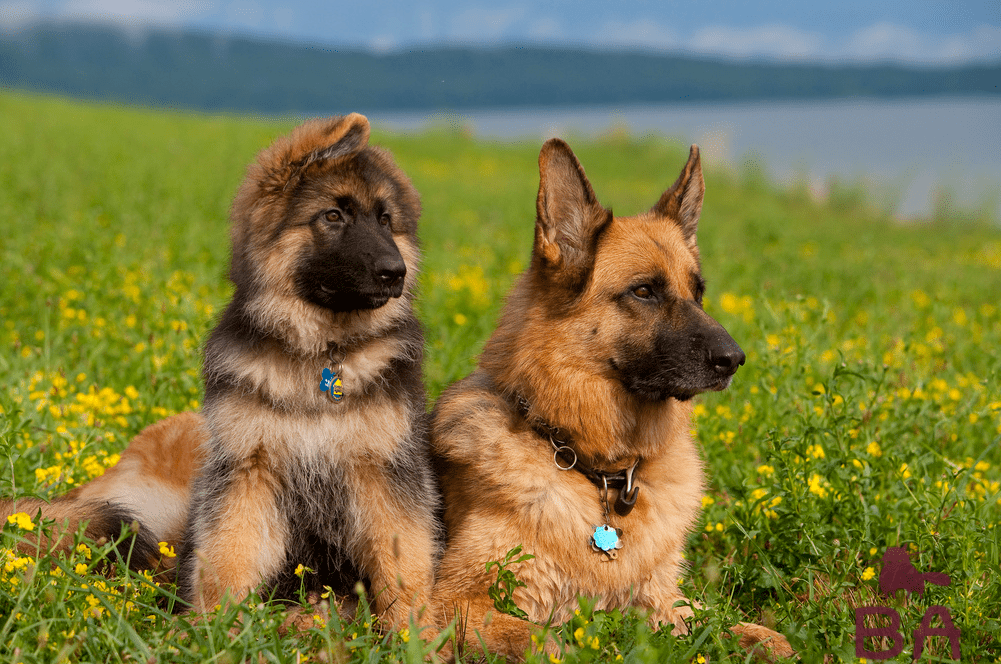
[682, 203]
[569, 217]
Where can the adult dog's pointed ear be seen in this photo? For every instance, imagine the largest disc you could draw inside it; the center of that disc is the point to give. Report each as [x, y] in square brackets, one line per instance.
[682, 203]
[569, 217]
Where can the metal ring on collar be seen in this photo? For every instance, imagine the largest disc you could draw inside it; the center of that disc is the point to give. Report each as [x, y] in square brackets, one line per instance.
[630, 475]
[335, 351]
[556, 454]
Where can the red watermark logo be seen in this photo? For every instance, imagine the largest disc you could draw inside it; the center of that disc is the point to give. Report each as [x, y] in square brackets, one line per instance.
[899, 574]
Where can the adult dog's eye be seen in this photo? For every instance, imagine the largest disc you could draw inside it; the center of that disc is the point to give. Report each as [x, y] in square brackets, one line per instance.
[643, 292]
[333, 216]
[384, 219]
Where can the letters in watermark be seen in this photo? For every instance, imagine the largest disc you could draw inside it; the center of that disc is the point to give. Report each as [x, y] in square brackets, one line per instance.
[899, 573]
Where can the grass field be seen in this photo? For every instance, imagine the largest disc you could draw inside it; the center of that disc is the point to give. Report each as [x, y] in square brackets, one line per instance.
[868, 414]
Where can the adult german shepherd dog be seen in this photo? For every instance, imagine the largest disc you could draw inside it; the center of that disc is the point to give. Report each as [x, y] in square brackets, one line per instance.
[312, 449]
[572, 437]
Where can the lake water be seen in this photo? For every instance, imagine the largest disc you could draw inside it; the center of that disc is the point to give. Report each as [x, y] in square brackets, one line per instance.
[905, 152]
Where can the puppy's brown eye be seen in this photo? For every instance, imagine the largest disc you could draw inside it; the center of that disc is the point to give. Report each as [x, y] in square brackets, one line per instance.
[384, 219]
[643, 292]
[333, 216]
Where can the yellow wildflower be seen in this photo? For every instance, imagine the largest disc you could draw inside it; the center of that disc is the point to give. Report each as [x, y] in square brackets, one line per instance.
[816, 486]
[21, 520]
[815, 451]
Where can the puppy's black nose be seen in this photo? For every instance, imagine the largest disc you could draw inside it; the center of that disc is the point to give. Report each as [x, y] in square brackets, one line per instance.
[390, 272]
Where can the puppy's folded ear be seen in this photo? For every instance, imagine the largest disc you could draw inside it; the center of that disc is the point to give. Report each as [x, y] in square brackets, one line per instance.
[682, 203]
[313, 142]
[332, 139]
[569, 217]
[279, 167]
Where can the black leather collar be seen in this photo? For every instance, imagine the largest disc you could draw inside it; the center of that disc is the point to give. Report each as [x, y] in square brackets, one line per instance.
[623, 480]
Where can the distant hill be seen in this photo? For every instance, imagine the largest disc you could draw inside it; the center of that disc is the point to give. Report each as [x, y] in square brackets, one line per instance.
[229, 73]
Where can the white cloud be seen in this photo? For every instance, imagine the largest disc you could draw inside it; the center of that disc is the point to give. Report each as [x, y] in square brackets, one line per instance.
[546, 29]
[877, 42]
[887, 41]
[772, 41]
[642, 33]
[134, 16]
[16, 15]
[483, 24]
[383, 44]
[130, 12]
[884, 41]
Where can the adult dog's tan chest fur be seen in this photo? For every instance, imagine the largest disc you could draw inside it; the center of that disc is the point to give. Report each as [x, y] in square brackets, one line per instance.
[514, 492]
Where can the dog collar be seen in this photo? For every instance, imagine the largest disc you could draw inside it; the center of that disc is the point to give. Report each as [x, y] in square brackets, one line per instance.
[566, 458]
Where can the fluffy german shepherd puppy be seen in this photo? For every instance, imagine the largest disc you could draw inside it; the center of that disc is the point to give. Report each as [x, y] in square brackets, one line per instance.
[313, 449]
[314, 396]
[572, 437]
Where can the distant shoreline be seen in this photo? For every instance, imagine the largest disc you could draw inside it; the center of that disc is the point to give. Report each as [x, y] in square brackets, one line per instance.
[912, 156]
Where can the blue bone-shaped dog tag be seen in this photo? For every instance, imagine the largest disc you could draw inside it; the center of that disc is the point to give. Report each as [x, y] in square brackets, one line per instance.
[331, 384]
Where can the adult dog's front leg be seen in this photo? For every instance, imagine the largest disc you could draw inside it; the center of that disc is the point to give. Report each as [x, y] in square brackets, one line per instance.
[480, 626]
[661, 598]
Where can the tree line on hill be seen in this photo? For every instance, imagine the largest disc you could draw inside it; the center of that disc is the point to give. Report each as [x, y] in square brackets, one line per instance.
[210, 72]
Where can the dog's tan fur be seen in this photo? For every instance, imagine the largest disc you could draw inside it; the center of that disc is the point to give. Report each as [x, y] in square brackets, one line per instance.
[564, 327]
[152, 478]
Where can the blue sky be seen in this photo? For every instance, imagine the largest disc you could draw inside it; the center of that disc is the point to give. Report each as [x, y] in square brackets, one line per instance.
[925, 31]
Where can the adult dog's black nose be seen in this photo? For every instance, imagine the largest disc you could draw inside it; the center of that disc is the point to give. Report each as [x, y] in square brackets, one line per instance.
[729, 359]
[725, 355]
